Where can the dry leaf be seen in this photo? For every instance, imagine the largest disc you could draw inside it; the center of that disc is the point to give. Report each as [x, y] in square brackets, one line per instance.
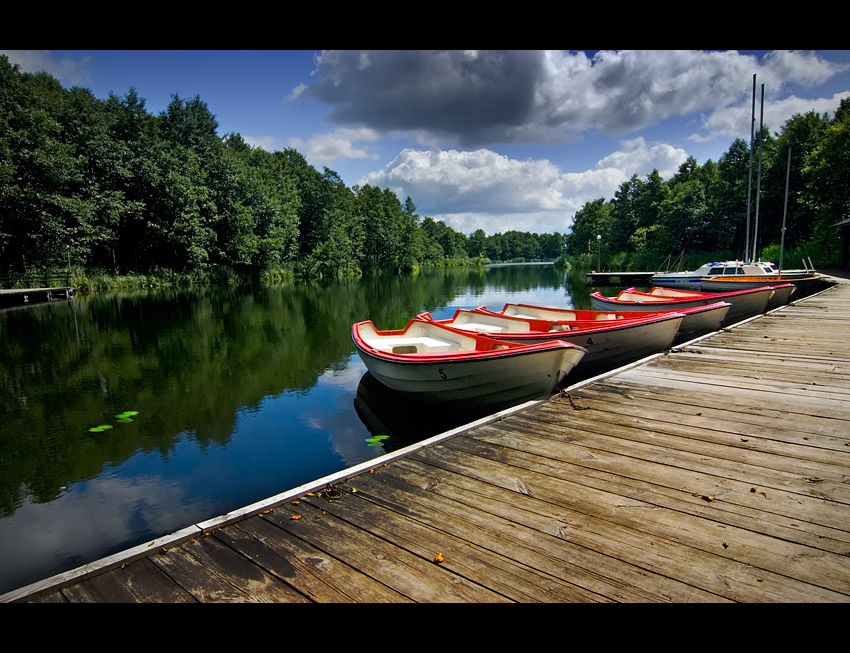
[438, 557]
[295, 517]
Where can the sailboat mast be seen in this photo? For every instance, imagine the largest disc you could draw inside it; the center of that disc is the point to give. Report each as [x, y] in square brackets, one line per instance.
[758, 185]
[750, 182]
[785, 210]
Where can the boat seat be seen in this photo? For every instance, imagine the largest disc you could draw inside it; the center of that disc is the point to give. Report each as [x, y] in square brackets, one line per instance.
[542, 315]
[478, 323]
[630, 297]
[479, 327]
[410, 344]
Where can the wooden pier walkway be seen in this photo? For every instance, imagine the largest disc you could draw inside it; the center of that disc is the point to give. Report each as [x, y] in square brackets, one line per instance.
[719, 472]
[25, 296]
[619, 278]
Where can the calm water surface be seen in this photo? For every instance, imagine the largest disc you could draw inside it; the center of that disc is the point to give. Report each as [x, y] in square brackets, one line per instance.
[241, 393]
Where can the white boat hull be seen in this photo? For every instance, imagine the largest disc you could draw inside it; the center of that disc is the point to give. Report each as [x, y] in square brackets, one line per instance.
[693, 279]
[701, 320]
[683, 282]
[492, 380]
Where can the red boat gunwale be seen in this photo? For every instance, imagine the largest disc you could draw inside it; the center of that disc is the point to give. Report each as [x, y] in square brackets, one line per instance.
[542, 327]
[485, 346]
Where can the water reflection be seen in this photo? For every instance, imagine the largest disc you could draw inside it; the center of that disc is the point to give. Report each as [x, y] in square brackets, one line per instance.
[241, 393]
[386, 412]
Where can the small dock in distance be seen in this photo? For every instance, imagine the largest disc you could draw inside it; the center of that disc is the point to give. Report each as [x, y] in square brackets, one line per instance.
[23, 296]
[21, 289]
[717, 472]
[624, 279]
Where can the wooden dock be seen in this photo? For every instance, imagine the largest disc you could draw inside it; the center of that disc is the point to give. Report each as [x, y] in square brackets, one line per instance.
[619, 278]
[718, 472]
[24, 296]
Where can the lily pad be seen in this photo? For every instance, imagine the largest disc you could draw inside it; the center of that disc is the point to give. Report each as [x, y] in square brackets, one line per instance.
[376, 440]
[101, 428]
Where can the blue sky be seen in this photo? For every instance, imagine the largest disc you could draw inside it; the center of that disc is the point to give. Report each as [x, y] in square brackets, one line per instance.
[497, 140]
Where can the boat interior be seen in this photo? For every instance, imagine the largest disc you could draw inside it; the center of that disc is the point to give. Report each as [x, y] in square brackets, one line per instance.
[671, 292]
[420, 338]
[539, 313]
[482, 323]
[626, 296]
[485, 322]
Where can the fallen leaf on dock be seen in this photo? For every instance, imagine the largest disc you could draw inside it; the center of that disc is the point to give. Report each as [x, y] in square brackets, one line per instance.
[438, 558]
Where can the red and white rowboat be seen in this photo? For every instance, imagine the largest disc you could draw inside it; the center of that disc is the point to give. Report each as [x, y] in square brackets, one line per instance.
[745, 303]
[431, 362]
[609, 343]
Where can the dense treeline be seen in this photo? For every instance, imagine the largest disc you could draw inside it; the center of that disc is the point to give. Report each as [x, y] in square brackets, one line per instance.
[110, 188]
[702, 210]
[107, 187]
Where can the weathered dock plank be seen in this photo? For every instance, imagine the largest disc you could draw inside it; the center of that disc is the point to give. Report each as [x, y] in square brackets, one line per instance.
[718, 472]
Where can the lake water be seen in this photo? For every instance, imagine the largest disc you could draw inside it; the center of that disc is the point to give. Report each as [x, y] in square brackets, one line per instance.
[238, 393]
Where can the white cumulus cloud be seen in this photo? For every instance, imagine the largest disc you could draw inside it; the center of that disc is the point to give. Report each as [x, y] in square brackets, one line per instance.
[323, 149]
[484, 189]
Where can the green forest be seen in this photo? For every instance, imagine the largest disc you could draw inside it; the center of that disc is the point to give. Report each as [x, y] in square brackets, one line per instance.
[701, 213]
[104, 187]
